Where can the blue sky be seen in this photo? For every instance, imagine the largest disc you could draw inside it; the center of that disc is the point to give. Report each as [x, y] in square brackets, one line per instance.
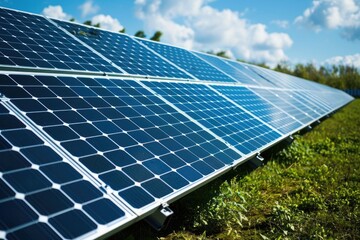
[322, 31]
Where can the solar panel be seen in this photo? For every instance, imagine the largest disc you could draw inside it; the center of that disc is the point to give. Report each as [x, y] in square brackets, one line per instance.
[261, 108]
[227, 68]
[31, 41]
[287, 97]
[129, 139]
[248, 75]
[226, 120]
[282, 80]
[123, 51]
[42, 195]
[83, 154]
[188, 61]
[287, 104]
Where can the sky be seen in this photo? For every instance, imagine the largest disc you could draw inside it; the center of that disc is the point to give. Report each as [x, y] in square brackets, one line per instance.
[322, 32]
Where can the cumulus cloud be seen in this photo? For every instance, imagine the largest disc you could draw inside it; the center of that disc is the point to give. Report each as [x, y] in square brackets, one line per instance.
[333, 14]
[194, 24]
[350, 60]
[107, 22]
[281, 23]
[56, 12]
[88, 8]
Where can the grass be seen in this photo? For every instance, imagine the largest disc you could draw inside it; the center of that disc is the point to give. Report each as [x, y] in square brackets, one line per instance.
[310, 190]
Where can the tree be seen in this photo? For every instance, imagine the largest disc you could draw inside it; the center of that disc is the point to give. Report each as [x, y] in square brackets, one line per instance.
[88, 22]
[283, 67]
[140, 34]
[157, 36]
[72, 20]
[219, 54]
[97, 25]
[122, 30]
[222, 54]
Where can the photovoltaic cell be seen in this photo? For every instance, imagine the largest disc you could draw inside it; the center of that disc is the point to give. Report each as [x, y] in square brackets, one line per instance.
[39, 191]
[227, 68]
[282, 80]
[249, 75]
[287, 104]
[311, 103]
[188, 61]
[261, 108]
[288, 96]
[331, 99]
[128, 138]
[32, 41]
[225, 119]
[122, 50]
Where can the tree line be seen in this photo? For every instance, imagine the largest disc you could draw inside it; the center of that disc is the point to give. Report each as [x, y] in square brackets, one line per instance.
[337, 76]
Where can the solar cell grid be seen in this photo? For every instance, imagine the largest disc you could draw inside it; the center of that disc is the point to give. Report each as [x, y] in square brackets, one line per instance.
[124, 131]
[32, 41]
[126, 53]
[285, 105]
[248, 75]
[334, 98]
[189, 62]
[282, 80]
[288, 97]
[227, 68]
[261, 108]
[319, 99]
[223, 118]
[43, 196]
[309, 102]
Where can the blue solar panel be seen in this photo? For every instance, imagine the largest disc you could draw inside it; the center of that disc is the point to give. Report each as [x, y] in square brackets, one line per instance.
[189, 62]
[246, 74]
[225, 119]
[32, 41]
[261, 108]
[81, 156]
[282, 80]
[224, 66]
[287, 104]
[310, 103]
[288, 96]
[129, 139]
[42, 195]
[124, 51]
[333, 99]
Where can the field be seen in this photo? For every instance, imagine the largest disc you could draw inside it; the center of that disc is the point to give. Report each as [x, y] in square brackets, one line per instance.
[309, 190]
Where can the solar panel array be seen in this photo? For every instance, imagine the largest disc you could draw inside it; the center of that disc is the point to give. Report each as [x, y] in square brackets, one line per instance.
[99, 129]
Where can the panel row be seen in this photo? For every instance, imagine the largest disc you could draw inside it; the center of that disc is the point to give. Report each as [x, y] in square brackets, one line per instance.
[145, 142]
[36, 43]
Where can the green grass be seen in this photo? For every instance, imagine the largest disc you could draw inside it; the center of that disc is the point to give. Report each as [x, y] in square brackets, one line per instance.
[310, 190]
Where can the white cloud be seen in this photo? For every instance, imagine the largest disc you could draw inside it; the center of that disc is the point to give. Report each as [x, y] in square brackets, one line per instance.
[88, 8]
[194, 24]
[333, 14]
[55, 12]
[107, 22]
[281, 23]
[350, 60]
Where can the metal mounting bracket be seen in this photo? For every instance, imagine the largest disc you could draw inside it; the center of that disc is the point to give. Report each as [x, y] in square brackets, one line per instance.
[257, 160]
[158, 218]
